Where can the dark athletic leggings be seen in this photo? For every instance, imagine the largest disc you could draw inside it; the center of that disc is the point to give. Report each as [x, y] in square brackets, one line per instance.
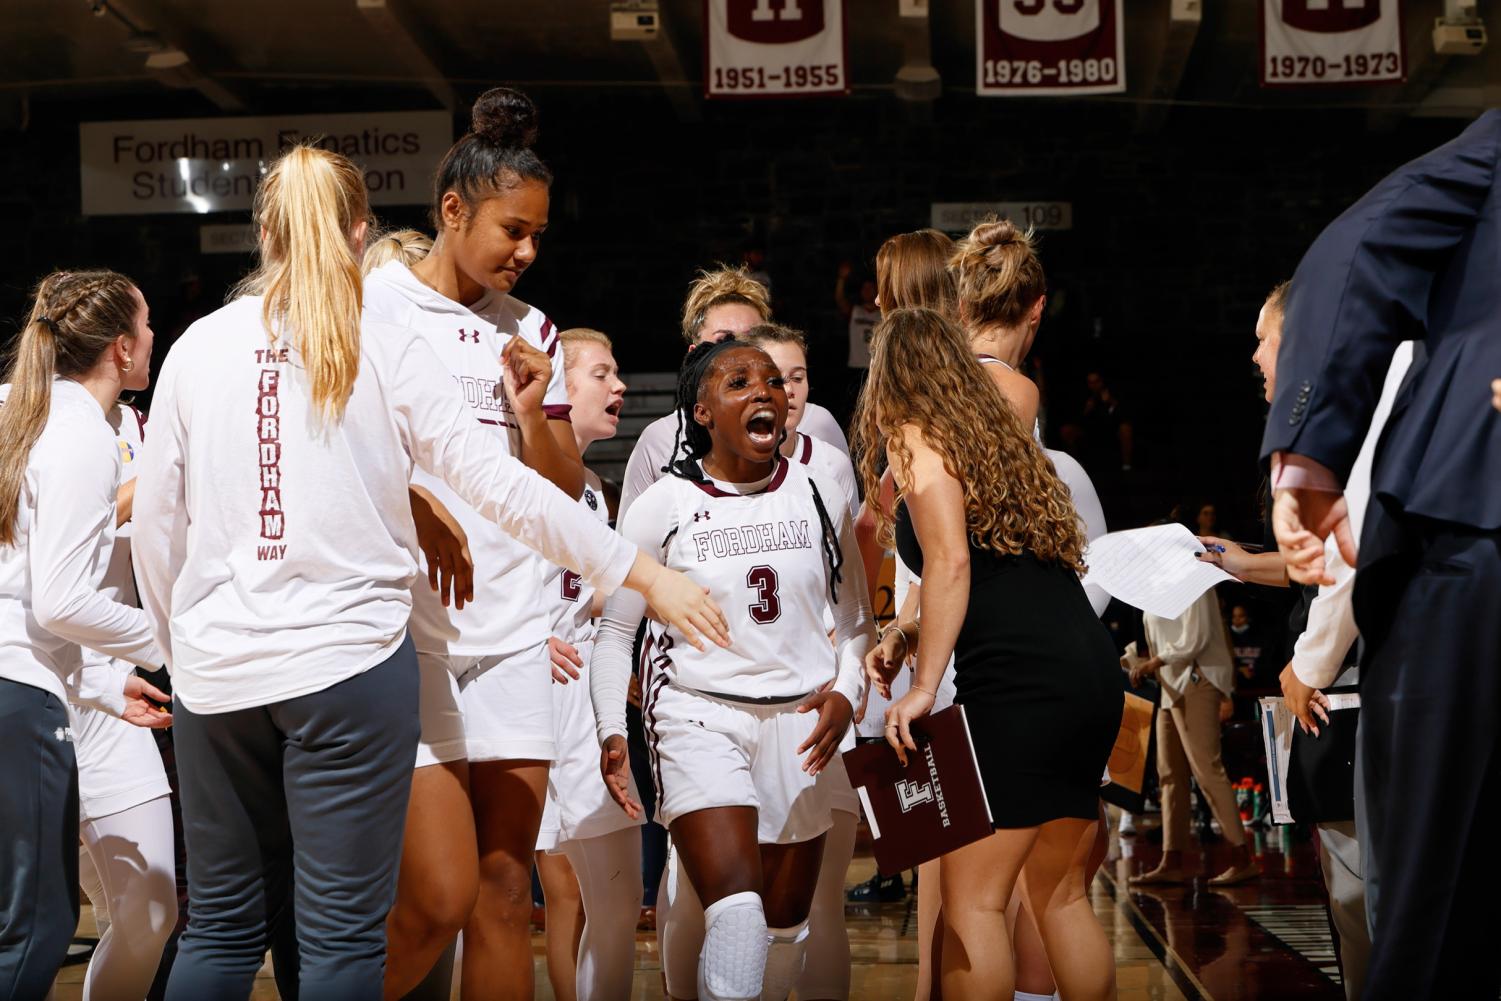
[305, 797]
[39, 845]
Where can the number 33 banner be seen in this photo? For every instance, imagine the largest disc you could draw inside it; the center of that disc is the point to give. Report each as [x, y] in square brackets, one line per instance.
[1037, 47]
[775, 48]
[1323, 42]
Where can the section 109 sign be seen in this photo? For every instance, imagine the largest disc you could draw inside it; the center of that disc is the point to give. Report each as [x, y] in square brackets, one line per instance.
[1031, 48]
[775, 48]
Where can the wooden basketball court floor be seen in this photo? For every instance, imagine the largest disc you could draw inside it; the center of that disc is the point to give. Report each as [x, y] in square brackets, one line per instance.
[1268, 939]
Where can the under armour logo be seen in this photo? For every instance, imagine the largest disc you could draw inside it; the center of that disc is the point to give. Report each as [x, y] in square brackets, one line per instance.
[472, 336]
[63, 733]
[590, 499]
[700, 516]
[912, 794]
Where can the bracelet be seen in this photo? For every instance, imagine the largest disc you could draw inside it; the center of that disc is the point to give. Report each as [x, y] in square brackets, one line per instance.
[926, 691]
[900, 632]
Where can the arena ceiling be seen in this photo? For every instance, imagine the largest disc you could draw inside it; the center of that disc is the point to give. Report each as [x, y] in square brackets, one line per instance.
[229, 56]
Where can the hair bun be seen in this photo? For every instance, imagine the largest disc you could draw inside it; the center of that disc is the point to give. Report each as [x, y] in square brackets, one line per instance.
[505, 117]
[996, 233]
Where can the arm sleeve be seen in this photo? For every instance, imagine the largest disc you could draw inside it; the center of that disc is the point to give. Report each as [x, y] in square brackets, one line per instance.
[854, 626]
[445, 440]
[159, 523]
[610, 666]
[75, 504]
[1364, 286]
[645, 464]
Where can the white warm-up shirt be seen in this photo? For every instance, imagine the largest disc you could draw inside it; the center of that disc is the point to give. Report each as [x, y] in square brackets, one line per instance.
[655, 445]
[51, 604]
[509, 612]
[759, 549]
[829, 463]
[1319, 654]
[274, 547]
[572, 596]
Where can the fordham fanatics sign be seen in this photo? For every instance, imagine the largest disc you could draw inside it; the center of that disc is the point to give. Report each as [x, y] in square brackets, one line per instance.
[775, 48]
[1030, 48]
[1331, 42]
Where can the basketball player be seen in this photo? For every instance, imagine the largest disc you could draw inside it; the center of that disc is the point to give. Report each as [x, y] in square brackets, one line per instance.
[747, 818]
[127, 861]
[488, 733]
[88, 338]
[725, 302]
[585, 837]
[285, 621]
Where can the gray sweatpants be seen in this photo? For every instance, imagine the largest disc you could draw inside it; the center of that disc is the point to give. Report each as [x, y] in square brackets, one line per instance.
[39, 846]
[305, 797]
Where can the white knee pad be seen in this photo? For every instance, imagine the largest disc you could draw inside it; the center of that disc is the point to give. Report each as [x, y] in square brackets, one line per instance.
[735, 944]
[784, 960]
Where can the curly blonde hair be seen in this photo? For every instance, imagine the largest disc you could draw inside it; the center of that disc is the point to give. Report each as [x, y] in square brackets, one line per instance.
[923, 374]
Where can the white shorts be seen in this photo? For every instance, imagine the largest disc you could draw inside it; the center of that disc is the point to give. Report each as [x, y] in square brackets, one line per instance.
[836, 781]
[119, 766]
[442, 738]
[578, 804]
[708, 753]
[507, 705]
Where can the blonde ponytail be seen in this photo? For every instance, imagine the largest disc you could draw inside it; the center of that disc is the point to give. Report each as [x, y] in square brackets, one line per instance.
[75, 317]
[308, 208]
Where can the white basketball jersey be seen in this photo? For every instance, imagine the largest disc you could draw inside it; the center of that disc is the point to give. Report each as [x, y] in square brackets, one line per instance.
[761, 555]
[513, 603]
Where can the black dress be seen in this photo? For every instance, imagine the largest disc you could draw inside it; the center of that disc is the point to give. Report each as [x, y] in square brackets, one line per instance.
[1039, 680]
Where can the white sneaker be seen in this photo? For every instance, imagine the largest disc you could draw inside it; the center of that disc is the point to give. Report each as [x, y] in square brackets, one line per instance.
[1128, 823]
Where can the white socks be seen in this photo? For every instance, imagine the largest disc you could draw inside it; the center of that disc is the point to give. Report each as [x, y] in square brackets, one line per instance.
[784, 960]
[1024, 996]
[735, 949]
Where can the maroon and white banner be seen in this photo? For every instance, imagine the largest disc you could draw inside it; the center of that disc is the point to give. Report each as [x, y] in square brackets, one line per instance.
[1330, 42]
[775, 48]
[1038, 47]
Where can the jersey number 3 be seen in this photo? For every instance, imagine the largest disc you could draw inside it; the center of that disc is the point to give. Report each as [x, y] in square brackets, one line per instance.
[768, 607]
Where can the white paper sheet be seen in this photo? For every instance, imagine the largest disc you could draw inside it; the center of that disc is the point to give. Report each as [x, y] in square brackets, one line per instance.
[1277, 736]
[1152, 568]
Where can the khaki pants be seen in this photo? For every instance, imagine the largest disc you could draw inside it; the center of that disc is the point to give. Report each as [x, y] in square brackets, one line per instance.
[1188, 742]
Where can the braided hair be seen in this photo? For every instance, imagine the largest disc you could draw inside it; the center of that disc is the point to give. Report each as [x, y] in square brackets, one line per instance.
[692, 439]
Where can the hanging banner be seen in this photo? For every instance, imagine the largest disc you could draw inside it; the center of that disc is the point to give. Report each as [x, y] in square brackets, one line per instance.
[1331, 42]
[775, 48]
[1030, 48]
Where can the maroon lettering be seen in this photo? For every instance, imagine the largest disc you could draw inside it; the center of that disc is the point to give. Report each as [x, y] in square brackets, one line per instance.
[268, 436]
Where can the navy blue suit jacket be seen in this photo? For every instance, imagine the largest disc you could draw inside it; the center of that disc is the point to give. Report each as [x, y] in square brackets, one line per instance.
[1418, 257]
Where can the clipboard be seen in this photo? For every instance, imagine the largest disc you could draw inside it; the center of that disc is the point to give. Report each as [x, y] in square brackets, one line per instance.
[934, 805]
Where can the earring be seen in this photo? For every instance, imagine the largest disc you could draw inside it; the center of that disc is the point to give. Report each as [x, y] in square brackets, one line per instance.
[129, 363]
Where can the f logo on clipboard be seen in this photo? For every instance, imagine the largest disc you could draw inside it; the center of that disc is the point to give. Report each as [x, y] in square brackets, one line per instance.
[913, 794]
